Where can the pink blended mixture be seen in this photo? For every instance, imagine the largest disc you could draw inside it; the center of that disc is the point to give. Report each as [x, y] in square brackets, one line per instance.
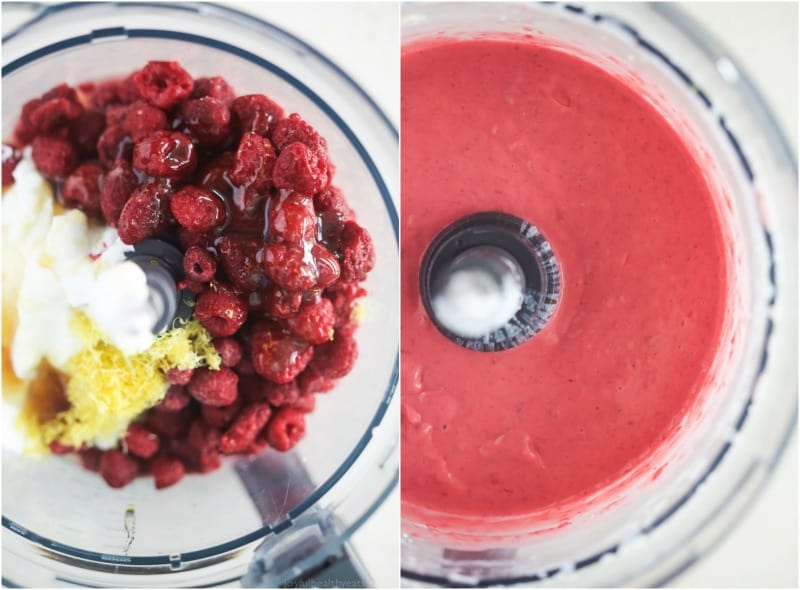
[514, 126]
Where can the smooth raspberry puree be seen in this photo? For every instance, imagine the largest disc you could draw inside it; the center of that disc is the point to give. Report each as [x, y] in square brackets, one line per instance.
[529, 130]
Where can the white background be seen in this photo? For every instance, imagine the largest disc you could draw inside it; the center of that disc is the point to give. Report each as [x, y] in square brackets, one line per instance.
[363, 38]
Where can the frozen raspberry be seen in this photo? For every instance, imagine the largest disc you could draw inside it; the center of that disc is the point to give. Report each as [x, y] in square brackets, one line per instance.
[177, 376]
[289, 267]
[90, 458]
[58, 449]
[24, 130]
[358, 253]
[286, 428]
[141, 441]
[163, 83]
[113, 144]
[141, 119]
[145, 213]
[283, 394]
[281, 303]
[291, 219]
[305, 403]
[11, 158]
[115, 116]
[81, 189]
[335, 359]
[206, 119]
[314, 322]
[195, 460]
[188, 238]
[117, 468]
[293, 129]
[175, 399]
[221, 311]
[229, 350]
[299, 169]
[328, 269]
[54, 157]
[256, 113]
[214, 388]
[344, 300]
[54, 116]
[311, 382]
[276, 355]
[114, 93]
[331, 200]
[166, 471]
[221, 416]
[245, 427]
[245, 366]
[195, 287]
[215, 87]
[169, 423]
[238, 258]
[199, 265]
[165, 154]
[253, 163]
[197, 209]
[118, 185]
[203, 436]
[85, 131]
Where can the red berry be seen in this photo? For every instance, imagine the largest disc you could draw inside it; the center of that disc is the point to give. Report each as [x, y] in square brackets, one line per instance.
[280, 394]
[163, 83]
[331, 200]
[314, 322]
[58, 449]
[169, 423]
[24, 130]
[145, 213]
[199, 265]
[81, 189]
[118, 185]
[291, 219]
[166, 471]
[299, 168]
[113, 144]
[214, 388]
[114, 92]
[141, 119]
[207, 119]
[203, 436]
[328, 268]
[188, 239]
[238, 256]
[281, 303]
[221, 311]
[90, 458]
[11, 158]
[256, 113]
[335, 359]
[54, 116]
[165, 154]
[141, 441]
[311, 382]
[54, 157]
[358, 253]
[276, 355]
[115, 116]
[117, 468]
[229, 350]
[221, 416]
[294, 129]
[215, 87]
[253, 163]
[290, 267]
[198, 209]
[85, 131]
[305, 403]
[344, 299]
[177, 376]
[286, 428]
[245, 427]
[175, 399]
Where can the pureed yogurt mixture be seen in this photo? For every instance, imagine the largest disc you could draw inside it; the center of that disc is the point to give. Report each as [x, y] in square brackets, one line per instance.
[516, 126]
[272, 263]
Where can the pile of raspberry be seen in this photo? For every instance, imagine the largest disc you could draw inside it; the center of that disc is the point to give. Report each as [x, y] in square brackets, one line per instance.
[271, 251]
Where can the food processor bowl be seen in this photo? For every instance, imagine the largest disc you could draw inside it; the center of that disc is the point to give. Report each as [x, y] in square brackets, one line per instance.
[268, 518]
[663, 515]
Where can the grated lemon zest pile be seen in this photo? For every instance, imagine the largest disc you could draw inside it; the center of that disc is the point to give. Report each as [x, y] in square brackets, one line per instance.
[107, 390]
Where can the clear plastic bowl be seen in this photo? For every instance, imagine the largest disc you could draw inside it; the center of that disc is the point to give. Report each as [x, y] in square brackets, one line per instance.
[658, 520]
[61, 524]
